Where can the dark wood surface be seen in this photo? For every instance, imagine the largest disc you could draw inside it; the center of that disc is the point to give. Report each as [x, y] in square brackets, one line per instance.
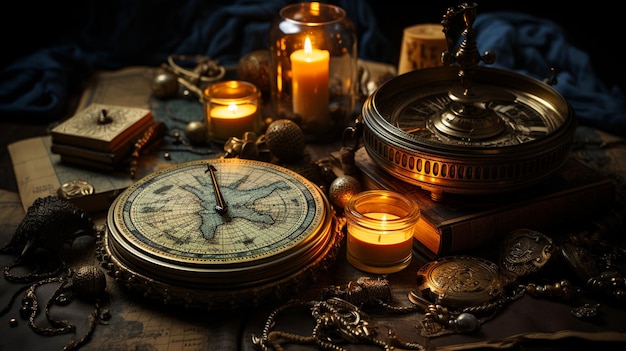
[136, 323]
[529, 323]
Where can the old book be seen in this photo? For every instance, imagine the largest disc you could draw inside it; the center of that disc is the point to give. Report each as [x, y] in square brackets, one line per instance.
[460, 223]
[107, 128]
[109, 160]
[91, 164]
[103, 157]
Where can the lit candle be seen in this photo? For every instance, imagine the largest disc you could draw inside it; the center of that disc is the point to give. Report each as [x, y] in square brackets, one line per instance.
[309, 68]
[380, 242]
[232, 120]
[232, 109]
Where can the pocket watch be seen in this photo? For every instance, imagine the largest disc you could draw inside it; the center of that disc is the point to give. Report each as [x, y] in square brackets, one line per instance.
[465, 128]
[463, 281]
[219, 233]
[460, 281]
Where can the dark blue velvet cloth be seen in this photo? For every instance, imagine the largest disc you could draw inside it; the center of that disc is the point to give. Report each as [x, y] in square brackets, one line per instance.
[532, 46]
[115, 34]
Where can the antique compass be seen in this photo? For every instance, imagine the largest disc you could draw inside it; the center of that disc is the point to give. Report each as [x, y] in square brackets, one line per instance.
[465, 128]
[219, 233]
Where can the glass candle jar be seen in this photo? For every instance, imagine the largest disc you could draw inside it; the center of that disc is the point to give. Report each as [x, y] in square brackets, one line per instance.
[313, 68]
[380, 225]
[232, 108]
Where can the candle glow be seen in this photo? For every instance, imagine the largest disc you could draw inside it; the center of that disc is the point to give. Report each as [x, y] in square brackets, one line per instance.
[310, 72]
[232, 110]
[378, 245]
[380, 242]
[232, 120]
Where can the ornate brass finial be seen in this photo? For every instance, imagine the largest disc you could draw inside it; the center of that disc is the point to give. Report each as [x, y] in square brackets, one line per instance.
[466, 55]
[466, 116]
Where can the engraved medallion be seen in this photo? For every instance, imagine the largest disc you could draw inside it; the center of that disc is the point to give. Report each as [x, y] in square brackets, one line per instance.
[524, 252]
[460, 281]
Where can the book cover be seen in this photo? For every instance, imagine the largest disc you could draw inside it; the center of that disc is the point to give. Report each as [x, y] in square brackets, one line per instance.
[108, 160]
[91, 164]
[101, 127]
[103, 157]
[464, 222]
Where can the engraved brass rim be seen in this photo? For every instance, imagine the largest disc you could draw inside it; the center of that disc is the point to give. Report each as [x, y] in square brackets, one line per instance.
[166, 239]
[404, 132]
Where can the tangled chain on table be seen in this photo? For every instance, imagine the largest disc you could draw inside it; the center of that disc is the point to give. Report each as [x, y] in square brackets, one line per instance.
[338, 320]
[38, 244]
[87, 283]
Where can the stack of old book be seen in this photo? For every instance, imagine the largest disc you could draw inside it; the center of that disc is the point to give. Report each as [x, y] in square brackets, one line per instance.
[459, 223]
[101, 136]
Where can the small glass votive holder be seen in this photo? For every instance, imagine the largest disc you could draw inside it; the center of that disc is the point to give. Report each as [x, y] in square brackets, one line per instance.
[380, 225]
[232, 108]
[313, 68]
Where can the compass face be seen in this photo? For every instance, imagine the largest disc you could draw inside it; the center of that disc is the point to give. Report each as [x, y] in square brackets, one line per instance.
[522, 123]
[412, 107]
[240, 222]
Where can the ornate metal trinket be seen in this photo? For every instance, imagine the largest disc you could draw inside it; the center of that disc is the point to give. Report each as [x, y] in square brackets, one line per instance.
[524, 252]
[460, 281]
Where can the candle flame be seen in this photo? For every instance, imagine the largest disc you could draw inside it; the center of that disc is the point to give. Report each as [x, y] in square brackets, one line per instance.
[232, 108]
[315, 8]
[308, 48]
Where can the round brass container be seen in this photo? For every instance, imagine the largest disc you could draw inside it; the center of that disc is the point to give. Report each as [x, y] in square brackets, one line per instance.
[466, 128]
[505, 133]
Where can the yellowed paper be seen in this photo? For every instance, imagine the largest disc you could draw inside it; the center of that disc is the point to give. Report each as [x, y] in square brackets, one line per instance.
[33, 170]
[11, 214]
[40, 173]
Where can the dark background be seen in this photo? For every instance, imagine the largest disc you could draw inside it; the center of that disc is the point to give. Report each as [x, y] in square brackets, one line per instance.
[591, 26]
[26, 27]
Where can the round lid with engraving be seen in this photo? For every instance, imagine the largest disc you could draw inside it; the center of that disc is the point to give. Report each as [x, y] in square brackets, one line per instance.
[460, 281]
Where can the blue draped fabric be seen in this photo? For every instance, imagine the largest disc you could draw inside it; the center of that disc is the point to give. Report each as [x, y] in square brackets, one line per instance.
[115, 34]
[532, 46]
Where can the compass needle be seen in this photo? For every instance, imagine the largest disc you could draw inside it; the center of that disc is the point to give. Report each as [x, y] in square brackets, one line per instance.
[221, 207]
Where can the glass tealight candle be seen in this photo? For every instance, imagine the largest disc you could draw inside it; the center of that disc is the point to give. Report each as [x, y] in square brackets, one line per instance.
[232, 108]
[380, 225]
[313, 68]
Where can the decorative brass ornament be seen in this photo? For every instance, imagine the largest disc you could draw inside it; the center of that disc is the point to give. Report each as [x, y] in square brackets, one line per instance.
[460, 281]
[467, 129]
[525, 252]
